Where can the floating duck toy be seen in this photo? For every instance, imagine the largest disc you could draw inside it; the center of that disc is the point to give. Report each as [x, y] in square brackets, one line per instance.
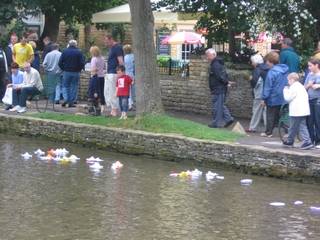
[96, 166]
[174, 174]
[61, 152]
[39, 152]
[98, 159]
[196, 173]
[220, 177]
[51, 152]
[64, 160]
[185, 174]
[277, 204]
[73, 158]
[298, 203]
[315, 209]
[117, 165]
[46, 158]
[26, 156]
[90, 160]
[210, 175]
[246, 181]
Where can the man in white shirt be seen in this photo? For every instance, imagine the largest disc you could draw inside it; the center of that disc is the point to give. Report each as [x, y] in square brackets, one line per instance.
[31, 85]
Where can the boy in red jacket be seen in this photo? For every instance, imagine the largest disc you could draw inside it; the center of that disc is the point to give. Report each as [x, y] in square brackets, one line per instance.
[124, 83]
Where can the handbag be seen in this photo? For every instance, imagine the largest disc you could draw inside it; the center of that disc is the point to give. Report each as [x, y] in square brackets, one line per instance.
[7, 99]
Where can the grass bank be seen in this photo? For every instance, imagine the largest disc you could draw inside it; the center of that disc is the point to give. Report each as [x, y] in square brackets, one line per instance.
[149, 123]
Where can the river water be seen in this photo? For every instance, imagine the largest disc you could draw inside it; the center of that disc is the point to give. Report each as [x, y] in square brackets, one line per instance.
[45, 200]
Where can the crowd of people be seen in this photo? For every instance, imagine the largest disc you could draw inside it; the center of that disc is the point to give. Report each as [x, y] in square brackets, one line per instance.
[276, 81]
[111, 84]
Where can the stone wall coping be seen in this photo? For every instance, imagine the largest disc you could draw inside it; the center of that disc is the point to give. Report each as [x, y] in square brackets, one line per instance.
[167, 135]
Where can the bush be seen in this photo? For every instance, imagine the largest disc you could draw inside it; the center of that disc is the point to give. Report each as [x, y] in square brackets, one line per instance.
[163, 60]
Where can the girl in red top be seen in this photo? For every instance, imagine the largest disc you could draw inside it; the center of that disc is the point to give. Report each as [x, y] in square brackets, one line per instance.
[124, 83]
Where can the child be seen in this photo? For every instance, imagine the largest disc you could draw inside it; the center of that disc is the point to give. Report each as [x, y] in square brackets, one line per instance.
[123, 90]
[297, 97]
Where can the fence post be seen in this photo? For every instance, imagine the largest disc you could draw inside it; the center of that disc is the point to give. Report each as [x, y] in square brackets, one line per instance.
[170, 66]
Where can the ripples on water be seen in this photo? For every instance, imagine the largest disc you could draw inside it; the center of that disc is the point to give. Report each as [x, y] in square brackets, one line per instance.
[42, 200]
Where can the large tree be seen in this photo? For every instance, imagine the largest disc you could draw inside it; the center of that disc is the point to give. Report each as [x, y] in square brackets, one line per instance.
[147, 79]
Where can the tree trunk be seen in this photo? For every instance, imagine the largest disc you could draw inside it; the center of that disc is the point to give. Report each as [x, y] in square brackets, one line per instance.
[51, 27]
[148, 92]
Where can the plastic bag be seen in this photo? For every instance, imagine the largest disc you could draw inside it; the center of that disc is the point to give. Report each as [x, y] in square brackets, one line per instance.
[7, 99]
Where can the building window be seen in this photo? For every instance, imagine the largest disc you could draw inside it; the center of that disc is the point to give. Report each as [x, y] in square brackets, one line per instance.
[186, 50]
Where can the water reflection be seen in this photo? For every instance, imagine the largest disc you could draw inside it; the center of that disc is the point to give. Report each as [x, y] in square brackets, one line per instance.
[41, 200]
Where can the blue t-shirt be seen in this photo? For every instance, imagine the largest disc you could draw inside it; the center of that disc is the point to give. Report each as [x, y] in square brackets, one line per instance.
[313, 93]
[17, 78]
[114, 52]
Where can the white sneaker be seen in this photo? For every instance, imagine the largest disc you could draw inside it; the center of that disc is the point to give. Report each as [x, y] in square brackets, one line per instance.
[22, 110]
[15, 108]
[317, 146]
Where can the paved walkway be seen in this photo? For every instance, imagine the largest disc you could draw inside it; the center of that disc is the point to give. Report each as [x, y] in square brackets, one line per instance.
[250, 139]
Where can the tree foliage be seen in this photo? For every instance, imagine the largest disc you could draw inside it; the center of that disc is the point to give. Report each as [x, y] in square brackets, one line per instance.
[71, 11]
[225, 18]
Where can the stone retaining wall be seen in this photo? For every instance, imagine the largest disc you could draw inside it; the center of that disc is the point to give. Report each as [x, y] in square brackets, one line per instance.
[256, 160]
[192, 94]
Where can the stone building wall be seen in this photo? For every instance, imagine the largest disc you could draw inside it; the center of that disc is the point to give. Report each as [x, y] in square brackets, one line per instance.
[192, 94]
[96, 36]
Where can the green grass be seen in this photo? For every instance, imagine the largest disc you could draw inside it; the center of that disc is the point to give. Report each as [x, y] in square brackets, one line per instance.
[149, 123]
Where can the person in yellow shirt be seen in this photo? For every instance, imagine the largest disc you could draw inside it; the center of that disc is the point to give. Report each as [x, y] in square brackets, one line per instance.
[22, 52]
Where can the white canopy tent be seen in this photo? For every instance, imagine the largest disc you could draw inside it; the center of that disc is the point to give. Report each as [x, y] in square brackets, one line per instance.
[122, 14]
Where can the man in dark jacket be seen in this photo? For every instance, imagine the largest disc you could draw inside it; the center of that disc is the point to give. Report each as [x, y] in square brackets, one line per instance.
[218, 83]
[48, 47]
[3, 73]
[288, 56]
[13, 40]
[71, 63]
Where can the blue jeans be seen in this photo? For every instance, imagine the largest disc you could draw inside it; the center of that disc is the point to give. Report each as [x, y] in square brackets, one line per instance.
[52, 81]
[221, 114]
[123, 103]
[70, 87]
[298, 125]
[132, 97]
[58, 89]
[19, 97]
[313, 121]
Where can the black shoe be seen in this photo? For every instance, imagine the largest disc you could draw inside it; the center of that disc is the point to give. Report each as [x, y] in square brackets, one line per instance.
[306, 146]
[71, 106]
[228, 123]
[64, 104]
[56, 102]
[8, 107]
[212, 126]
[287, 144]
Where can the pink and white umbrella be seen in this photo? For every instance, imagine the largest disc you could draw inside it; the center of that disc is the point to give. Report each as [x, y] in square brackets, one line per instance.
[184, 38]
